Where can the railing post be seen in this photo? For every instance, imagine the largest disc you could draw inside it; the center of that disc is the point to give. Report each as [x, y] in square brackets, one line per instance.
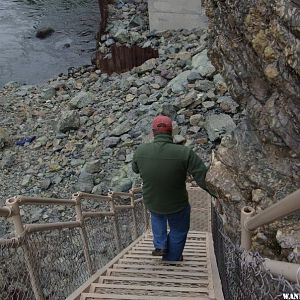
[83, 234]
[246, 213]
[145, 217]
[115, 223]
[135, 233]
[20, 231]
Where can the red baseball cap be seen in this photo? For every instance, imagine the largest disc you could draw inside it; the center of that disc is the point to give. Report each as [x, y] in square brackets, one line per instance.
[162, 124]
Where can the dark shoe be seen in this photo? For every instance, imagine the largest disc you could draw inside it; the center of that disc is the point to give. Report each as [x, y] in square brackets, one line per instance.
[159, 252]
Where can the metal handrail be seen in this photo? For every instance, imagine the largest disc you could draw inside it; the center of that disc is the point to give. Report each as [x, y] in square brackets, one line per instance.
[250, 222]
[12, 211]
[5, 212]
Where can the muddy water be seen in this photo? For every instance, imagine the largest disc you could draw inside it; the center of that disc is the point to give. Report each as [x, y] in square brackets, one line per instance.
[27, 59]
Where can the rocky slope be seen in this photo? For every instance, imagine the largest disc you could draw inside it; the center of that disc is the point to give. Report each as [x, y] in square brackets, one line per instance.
[88, 124]
[256, 46]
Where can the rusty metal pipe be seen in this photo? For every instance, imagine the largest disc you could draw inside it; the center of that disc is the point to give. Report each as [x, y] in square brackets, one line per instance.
[286, 206]
[83, 235]
[96, 214]
[29, 261]
[121, 194]
[5, 212]
[134, 218]
[22, 200]
[115, 227]
[30, 228]
[81, 195]
[121, 207]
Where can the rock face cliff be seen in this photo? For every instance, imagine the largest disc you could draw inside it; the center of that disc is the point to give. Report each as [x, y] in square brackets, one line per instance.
[255, 45]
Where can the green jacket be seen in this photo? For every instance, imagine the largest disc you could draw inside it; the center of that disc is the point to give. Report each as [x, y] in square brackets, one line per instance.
[163, 167]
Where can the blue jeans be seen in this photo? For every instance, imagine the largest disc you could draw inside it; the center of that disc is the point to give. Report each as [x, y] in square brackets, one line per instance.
[174, 241]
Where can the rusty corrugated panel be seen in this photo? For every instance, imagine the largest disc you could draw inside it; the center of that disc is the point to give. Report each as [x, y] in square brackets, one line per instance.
[124, 59]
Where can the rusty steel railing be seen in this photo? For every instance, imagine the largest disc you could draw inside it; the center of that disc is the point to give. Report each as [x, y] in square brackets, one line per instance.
[50, 260]
[250, 222]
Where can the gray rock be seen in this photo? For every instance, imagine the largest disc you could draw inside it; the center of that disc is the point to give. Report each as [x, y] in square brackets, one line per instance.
[180, 119]
[36, 214]
[135, 37]
[288, 238]
[178, 139]
[147, 66]
[85, 182]
[26, 180]
[203, 65]
[197, 120]
[45, 184]
[100, 189]
[21, 93]
[169, 110]
[109, 42]
[121, 129]
[228, 104]
[68, 120]
[195, 129]
[188, 99]
[111, 142]
[122, 36]
[143, 98]
[194, 76]
[94, 166]
[8, 160]
[218, 125]
[11, 85]
[136, 21]
[208, 104]
[122, 185]
[180, 82]
[77, 162]
[48, 93]
[57, 179]
[129, 157]
[220, 84]
[82, 99]
[204, 85]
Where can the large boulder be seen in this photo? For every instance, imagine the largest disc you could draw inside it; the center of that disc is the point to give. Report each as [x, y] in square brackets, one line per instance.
[82, 99]
[202, 64]
[180, 82]
[217, 125]
[68, 120]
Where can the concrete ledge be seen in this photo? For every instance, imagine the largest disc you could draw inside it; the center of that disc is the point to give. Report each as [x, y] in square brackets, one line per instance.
[169, 21]
[176, 6]
[176, 14]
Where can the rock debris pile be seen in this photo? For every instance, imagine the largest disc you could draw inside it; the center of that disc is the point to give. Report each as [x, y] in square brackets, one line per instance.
[87, 124]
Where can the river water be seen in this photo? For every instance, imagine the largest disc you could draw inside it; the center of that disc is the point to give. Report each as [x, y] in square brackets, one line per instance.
[27, 59]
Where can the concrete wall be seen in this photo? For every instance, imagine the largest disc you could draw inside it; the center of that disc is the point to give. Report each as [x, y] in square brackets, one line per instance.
[176, 14]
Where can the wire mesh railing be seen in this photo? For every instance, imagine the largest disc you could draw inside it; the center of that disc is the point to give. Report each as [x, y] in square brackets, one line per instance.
[51, 260]
[242, 273]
